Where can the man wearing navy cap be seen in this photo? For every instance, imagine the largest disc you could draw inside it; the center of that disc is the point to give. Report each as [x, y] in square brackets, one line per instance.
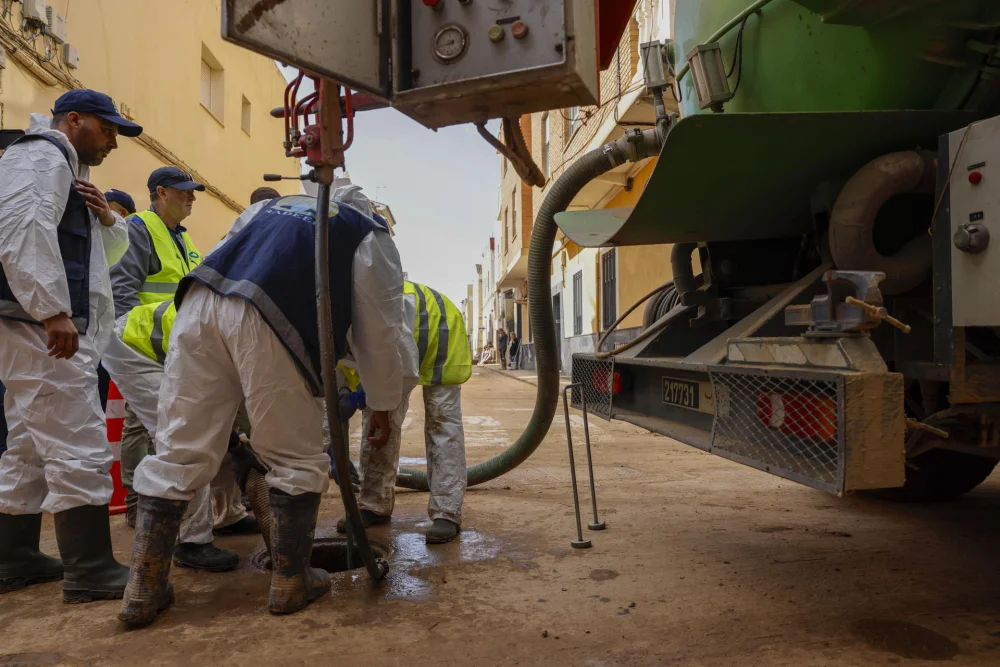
[120, 202]
[57, 238]
[160, 253]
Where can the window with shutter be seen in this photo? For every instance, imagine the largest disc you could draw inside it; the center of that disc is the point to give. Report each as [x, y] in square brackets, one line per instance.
[609, 288]
[206, 85]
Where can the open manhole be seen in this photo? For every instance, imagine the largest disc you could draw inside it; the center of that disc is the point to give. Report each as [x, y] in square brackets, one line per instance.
[329, 553]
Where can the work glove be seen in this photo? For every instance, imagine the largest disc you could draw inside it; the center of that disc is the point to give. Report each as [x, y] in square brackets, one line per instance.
[349, 402]
[244, 459]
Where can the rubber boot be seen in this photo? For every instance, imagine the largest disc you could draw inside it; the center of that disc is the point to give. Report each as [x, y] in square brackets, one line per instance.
[442, 531]
[368, 519]
[149, 590]
[91, 571]
[21, 563]
[294, 584]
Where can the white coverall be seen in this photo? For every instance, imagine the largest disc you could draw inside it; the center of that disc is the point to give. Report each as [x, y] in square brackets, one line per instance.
[221, 350]
[138, 378]
[58, 456]
[444, 439]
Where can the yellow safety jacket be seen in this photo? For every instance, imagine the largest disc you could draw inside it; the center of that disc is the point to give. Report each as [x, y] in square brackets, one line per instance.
[148, 326]
[442, 340]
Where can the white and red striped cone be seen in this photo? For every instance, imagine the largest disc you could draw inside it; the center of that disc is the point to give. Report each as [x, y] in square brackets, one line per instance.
[115, 417]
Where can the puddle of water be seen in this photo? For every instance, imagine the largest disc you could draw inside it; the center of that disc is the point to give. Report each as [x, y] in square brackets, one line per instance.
[907, 640]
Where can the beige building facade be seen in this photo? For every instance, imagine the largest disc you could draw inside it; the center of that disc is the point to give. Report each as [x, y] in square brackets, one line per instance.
[204, 104]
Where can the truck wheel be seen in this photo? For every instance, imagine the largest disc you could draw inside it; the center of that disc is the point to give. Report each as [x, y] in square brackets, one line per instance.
[939, 475]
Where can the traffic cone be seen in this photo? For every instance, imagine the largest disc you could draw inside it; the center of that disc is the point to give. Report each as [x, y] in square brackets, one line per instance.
[114, 415]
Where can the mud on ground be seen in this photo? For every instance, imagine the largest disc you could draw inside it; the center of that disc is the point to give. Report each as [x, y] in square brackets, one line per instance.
[704, 562]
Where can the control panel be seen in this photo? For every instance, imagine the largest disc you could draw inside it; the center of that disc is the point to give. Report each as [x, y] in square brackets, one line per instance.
[975, 224]
[442, 62]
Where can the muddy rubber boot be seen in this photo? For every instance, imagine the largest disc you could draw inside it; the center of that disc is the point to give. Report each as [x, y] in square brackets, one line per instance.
[90, 569]
[368, 519]
[442, 531]
[21, 563]
[205, 557]
[294, 584]
[149, 590]
[248, 525]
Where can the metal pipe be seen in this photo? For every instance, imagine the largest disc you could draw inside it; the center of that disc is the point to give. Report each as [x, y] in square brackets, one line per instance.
[579, 542]
[377, 567]
[596, 524]
[721, 32]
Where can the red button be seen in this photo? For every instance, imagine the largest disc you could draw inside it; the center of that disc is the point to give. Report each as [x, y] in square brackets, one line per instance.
[975, 178]
[432, 3]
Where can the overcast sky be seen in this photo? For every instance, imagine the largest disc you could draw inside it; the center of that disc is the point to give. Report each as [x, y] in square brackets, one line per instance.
[442, 189]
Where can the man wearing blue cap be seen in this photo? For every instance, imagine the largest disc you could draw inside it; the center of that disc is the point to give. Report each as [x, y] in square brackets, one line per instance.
[57, 237]
[160, 253]
[120, 202]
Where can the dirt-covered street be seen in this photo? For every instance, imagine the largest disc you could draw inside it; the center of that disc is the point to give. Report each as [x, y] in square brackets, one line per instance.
[704, 562]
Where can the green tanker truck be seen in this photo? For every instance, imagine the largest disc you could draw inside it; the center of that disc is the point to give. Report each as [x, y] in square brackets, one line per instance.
[832, 169]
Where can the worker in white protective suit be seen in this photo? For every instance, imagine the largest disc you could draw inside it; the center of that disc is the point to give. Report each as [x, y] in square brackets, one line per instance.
[246, 327]
[57, 237]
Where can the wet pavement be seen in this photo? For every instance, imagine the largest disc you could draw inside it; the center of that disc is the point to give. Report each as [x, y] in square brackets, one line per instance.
[704, 562]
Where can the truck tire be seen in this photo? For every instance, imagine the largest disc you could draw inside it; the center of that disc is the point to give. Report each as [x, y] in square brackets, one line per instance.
[940, 475]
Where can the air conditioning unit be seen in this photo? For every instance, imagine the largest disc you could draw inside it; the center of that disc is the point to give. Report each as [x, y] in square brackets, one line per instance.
[55, 25]
[71, 56]
[34, 13]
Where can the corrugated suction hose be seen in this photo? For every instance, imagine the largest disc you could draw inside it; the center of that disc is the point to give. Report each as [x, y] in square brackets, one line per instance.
[634, 146]
[852, 222]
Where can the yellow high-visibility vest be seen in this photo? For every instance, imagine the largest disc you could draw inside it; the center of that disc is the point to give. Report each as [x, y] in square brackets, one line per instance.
[148, 326]
[442, 340]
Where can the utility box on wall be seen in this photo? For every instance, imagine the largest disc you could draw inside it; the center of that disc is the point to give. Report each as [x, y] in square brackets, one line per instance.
[442, 62]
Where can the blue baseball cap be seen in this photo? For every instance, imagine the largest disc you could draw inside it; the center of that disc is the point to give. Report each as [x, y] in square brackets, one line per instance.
[99, 104]
[122, 198]
[172, 177]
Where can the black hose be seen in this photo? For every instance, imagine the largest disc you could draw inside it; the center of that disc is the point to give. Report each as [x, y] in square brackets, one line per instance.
[683, 269]
[377, 567]
[634, 146]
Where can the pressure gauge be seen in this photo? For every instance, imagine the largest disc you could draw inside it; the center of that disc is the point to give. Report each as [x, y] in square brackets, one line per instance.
[450, 43]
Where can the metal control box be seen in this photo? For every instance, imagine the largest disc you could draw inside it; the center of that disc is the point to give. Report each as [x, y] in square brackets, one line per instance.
[56, 25]
[443, 62]
[975, 224]
[34, 12]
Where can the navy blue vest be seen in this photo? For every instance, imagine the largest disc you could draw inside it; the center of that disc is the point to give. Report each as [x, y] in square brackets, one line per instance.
[74, 233]
[271, 264]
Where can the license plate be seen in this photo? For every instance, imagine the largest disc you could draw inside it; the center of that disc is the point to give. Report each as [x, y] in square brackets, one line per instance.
[681, 393]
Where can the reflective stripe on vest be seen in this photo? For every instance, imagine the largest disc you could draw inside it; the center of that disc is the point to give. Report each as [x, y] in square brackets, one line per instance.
[174, 264]
[442, 340]
[147, 328]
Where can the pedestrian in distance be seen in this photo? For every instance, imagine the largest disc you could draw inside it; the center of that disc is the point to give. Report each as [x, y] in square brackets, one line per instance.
[502, 342]
[515, 349]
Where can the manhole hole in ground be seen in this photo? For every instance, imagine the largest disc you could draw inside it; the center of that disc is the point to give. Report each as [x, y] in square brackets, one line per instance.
[329, 553]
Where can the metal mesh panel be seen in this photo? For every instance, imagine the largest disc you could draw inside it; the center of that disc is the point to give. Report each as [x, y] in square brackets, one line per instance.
[597, 378]
[785, 423]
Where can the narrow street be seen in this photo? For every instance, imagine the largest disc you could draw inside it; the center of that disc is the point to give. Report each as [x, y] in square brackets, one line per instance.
[704, 562]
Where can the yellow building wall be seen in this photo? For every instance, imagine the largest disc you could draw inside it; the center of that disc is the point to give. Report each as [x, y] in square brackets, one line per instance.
[147, 55]
[641, 269]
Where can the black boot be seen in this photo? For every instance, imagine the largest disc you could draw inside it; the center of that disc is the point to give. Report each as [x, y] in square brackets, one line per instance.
[91, 571]
[205, 557]
[294, 584]
[21, 563]
[149, 590]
